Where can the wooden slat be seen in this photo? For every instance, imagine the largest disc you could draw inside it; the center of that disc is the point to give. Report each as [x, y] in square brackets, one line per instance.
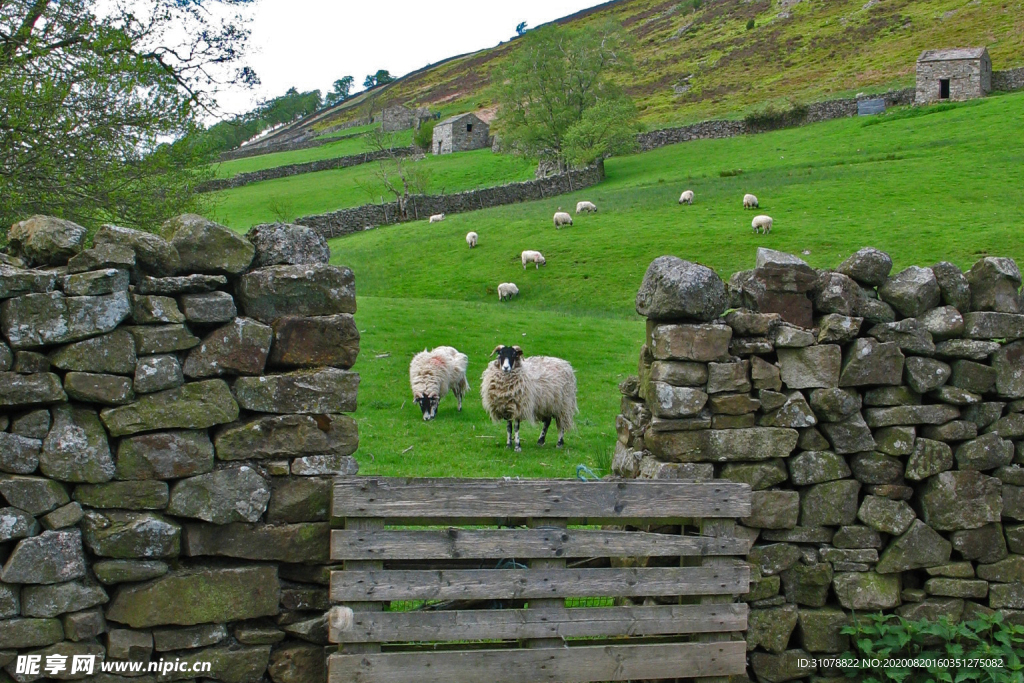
[454, 543]
[508, 584]
[572, 665]
[723, 528]
[579, 622]
[547, 563]
[363, 525]
[397, 499]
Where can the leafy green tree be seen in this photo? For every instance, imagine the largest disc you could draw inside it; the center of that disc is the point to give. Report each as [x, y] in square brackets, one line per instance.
[341, 92]
[556, 97]
[92, 90]
[424, 137]
[383, 76]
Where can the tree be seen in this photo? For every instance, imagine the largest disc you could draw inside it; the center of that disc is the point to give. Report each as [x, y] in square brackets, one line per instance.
[557, 100]
[520, 28]
[341, 92]
[424, 137]
[92, 90]
[380, 78]
[397, 173]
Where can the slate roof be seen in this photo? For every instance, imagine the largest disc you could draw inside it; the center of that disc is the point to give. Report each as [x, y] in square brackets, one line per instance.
[952, 54]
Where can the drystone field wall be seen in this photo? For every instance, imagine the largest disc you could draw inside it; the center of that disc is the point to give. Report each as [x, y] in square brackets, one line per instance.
[347, 221]
[879, 418]
[172, 412]
[1009, 80]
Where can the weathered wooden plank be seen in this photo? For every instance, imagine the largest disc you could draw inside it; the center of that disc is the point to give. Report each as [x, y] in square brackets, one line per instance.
[567, 665]
[579, 622]
[724, 528]
[395, 499]
[552, 563]
[363, 525]
[510, 584]
[456, 544]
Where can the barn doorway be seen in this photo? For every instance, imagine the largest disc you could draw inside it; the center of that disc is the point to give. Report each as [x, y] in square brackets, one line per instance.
[943, 88]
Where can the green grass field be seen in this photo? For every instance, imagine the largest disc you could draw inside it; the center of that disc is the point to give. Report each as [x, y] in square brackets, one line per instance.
[924, 184]
[286, 199]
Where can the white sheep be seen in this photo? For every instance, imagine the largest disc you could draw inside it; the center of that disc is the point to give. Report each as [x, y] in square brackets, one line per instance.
[589, 207]
[437, 218]
[507, 290]
[762, 223]
[432, 374]
[750, 201]
[562, 218]
[540, 388]
[534, 257]
[686, 197]
[471, 239]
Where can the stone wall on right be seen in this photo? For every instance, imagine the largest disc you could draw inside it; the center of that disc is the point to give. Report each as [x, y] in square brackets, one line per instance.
[878, 416]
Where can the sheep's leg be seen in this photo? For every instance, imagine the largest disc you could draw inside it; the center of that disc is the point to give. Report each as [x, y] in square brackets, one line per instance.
[508, 434]
[544, 432]
[561, 434]
[517, 436]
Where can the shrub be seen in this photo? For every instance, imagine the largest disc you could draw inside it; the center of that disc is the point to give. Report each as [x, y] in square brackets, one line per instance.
[994, 646]
[425, 135]
[697, 4]
[750, 24]
[771, 115]
[729, 173]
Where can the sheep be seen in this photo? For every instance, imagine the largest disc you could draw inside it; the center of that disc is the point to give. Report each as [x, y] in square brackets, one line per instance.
[437, 218]
[507, 290]
[471, 239]
[562, 218]
[589, 207]
[534, 257]
[686, 197]
[433, 373]
[762, 223]
[540, 388]
[750, 202]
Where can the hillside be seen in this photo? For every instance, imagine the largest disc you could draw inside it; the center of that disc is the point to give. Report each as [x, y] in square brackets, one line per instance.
[697, 59]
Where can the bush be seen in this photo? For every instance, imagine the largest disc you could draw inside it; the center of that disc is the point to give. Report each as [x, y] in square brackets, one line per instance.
[771, 115]
[750, 24]
[994, 645]
[729, 173]
[425, 135]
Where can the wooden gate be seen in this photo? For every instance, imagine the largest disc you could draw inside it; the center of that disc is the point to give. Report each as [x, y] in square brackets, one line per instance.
[498, 604]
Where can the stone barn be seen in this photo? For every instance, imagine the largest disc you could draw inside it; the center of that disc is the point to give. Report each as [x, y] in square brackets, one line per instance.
[460, 133]
[955, 74]
[397, 117]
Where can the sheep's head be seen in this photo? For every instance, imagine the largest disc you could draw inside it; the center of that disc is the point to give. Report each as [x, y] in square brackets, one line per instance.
[508, 357]
[428, 404]
[543, 261]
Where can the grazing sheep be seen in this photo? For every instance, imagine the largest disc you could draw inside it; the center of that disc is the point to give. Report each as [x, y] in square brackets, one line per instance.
[686, 197]
[534, 257]
[540, 388]
[562, 218]
[507, 290]
[762, 223]
[437, 218]
[589, 207]
[433, 373]
[471, 239]
[750, 201]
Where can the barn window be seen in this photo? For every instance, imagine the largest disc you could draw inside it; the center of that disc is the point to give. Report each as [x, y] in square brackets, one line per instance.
[943, 88]
[469, 127]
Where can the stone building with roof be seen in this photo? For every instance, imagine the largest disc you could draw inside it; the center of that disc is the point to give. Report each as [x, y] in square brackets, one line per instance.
[955, 74]
[460, 133]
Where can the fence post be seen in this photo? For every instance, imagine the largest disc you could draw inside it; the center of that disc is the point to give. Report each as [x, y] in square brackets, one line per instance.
[549, 603]
[367, 523]
[719, 528]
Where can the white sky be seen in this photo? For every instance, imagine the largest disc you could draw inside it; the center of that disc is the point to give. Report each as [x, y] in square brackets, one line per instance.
[311, 43]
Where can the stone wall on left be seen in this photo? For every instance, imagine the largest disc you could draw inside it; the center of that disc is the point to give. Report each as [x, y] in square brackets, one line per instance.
[173, 408]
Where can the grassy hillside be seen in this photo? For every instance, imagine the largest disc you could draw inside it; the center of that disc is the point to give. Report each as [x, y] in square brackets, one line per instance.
[697, 59]
[286, 199]
[926, 184]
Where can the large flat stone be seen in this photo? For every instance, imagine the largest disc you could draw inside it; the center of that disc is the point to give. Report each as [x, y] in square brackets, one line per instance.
[993, 325]
[239, 348]
[303, 542]
[810, 367]
[210, 307]
[674, 289]
[164, 455]
[867, 591]
[162, 338]
[153, 254]
[321, 391]
[668, 401]
[701, 343]
[152, 309]
[130, 535]
[46, 240]
[868, 266]
[287, 244]
[307, 342]
[50, 557]
[851, 435]
[182, 284]
[302, 499]
[158, 373]
[270, 293]
[287, 436]
[995, 284]
[199, 405]
[35, 495]
[960, 500]
[230, 495]
[870, 363]
[910, 415]
[912, 291]
[19, 454]
[102, 256]
[29, 390]
[112, 353]
[199, 596]
[95, 283]
[831, 503]
[18, 281]
[15, 523]
[36, 320]
[47, 601]
[20, 633]
[89, 387]
[722, 445]
[1009, 364]
[127, 495]
[76, 449]
[206, 247]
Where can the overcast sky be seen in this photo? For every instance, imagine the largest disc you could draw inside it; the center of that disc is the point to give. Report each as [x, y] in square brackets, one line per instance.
[311, 43]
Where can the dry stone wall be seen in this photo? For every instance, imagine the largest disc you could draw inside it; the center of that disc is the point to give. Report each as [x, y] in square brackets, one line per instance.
[878, 416]
[172, 412]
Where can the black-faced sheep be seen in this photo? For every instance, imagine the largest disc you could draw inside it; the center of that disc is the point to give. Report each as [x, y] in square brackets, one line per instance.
[540, 388]
[471, 238]
[762, 223]
[507, 290]
[686, 197]
[750, 201]
[534, 257]
[432, 374]
[562, 218]
[437, 218]
[587, 207]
